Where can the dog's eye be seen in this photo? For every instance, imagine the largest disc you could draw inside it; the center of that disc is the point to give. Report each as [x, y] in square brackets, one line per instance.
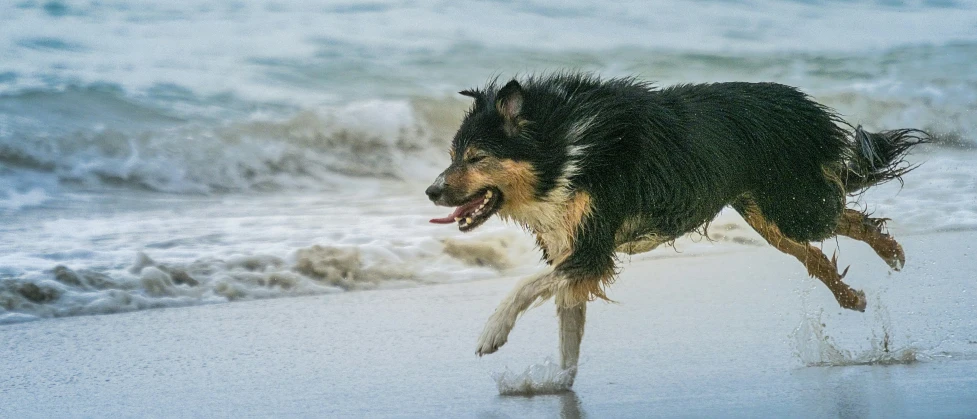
[476, 159]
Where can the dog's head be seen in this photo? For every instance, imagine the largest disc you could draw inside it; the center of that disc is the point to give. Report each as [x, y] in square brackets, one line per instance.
[491, 167]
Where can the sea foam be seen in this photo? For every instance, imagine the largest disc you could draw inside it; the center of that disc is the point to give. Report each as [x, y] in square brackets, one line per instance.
[81, 284]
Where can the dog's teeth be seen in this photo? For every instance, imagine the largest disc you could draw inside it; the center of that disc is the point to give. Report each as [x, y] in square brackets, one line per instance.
[485, 202]
[468, 220]
[488, 194]
[457, 219]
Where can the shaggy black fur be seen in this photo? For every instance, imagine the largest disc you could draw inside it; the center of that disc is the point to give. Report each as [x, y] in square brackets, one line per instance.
[674, 157]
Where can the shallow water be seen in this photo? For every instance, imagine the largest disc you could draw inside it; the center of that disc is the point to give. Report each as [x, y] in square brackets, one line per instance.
[156, 155]
[706, 336]
[108, 251]
[130, 251]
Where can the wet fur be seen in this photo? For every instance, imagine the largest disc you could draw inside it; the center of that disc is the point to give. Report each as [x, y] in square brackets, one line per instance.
[595, 166]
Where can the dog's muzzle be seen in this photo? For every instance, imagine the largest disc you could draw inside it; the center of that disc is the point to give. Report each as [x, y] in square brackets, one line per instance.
[435, 192]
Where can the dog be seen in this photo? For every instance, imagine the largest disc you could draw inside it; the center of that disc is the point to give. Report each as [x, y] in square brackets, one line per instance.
[596, 167]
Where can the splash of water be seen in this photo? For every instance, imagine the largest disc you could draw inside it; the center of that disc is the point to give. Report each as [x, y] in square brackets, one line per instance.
[816, 348]
[542, 378]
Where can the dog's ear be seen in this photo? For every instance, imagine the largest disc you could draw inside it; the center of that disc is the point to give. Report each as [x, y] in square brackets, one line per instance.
[476, 94]
[509, 104]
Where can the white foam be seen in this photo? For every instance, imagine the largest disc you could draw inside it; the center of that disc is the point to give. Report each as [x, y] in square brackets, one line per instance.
[200, 251]
[543, 378]
[372, 234]
[940, 195]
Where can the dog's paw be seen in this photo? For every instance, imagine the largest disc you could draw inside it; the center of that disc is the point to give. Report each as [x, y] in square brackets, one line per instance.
[856, 302]
[495, 334]
[897, 259]
[890, 251]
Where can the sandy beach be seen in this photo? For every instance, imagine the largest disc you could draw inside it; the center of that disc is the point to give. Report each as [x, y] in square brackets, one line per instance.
[738, 333]
[216, 209]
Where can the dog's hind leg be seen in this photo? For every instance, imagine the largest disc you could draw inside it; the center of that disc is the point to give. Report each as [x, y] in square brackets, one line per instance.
[537, 287]
[858, 226]
[818, 265]
[572, 321]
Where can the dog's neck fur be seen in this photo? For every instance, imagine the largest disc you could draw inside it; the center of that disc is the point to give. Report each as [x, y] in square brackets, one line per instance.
[554, 220]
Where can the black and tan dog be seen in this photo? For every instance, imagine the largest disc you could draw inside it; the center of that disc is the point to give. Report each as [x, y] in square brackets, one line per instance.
[595, 167]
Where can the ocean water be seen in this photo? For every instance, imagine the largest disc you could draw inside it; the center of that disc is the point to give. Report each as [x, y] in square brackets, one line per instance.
[159, 154]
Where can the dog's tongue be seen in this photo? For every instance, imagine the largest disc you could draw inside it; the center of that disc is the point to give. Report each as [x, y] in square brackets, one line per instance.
[457, 213]
[446, 220]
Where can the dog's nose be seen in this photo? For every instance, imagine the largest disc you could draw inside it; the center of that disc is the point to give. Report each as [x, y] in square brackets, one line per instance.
[434, 191]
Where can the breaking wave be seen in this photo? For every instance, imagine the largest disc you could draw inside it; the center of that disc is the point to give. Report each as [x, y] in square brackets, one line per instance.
[96, 137]
[315, 270]
[106, 95]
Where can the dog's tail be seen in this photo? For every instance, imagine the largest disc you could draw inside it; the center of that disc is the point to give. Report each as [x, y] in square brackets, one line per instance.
[879, 157]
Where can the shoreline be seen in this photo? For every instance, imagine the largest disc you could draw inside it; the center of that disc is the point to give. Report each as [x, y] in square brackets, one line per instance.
[715, 337]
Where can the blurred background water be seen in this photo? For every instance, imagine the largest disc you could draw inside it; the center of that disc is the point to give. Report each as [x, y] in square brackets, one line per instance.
[182, 152]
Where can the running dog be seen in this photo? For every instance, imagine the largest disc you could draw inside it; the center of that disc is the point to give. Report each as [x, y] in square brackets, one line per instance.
[593, 167]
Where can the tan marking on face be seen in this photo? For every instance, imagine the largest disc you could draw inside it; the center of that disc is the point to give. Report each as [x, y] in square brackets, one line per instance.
[516, 180]
[471, 152]
[475, 179]
[555, 219]
[463, 182]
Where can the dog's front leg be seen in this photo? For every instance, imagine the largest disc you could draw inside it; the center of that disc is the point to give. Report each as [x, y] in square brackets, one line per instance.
[496, 332]
[571, 333]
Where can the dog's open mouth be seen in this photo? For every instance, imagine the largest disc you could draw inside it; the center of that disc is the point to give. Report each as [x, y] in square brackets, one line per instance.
[475, 211]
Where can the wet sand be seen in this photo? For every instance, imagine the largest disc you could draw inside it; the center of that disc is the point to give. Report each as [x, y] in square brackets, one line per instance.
[712, 335]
